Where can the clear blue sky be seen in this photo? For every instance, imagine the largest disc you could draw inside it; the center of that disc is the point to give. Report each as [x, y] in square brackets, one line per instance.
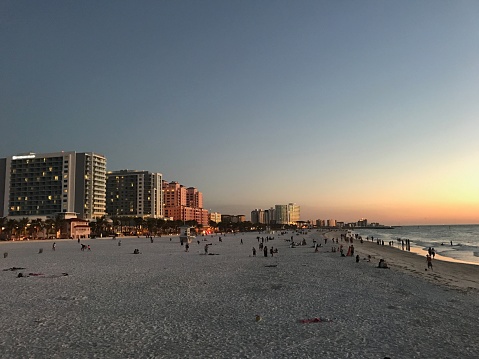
[349, 108]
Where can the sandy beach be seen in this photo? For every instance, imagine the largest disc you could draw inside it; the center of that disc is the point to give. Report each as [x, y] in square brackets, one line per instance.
[168, 303]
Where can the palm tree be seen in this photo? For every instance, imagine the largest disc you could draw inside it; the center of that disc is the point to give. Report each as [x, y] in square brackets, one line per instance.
[23, 225]
[11, 228]
[101, 224]
[59, 225]
[116, 221]
[3, 223]
[49, 224]
[151, 225]
[160, 224]
[36, 226]
[139, 222]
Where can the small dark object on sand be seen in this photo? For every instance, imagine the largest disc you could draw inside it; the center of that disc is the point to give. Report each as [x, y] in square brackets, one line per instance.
[13, 269]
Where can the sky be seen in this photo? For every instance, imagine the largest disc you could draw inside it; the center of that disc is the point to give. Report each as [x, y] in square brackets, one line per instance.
[351, 109]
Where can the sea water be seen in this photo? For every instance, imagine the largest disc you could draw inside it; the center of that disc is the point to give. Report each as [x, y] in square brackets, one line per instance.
[464, 238]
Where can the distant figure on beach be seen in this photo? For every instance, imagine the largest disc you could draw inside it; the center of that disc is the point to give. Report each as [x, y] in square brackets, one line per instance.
[451, 243]
[119, 243]
[382, 264]
[429, 261]
[206, 248]
[433, 252]
[89, 248]
[78, 239]
[241, 240]
[254, 252]
[265, 251]
[54, 245]
[357, 258]
[271, 251]
[187, 247]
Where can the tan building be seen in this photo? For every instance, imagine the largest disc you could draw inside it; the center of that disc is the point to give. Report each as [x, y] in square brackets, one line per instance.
[215, 217]
[77, 228]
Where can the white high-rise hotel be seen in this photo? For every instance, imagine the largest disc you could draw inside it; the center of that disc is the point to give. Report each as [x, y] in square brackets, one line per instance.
[39, 185]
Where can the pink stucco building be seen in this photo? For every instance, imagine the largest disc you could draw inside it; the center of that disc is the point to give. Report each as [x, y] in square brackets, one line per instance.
[184, 204]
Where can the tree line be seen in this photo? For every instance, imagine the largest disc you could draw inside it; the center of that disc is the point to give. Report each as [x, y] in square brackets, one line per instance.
[54, 228]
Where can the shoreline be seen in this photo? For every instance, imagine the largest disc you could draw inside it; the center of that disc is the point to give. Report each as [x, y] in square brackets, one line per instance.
[446, 272]
[450, 273]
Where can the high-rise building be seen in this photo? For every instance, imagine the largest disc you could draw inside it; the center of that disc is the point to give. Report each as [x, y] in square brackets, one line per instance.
[215, 217]
[269, 216]
[287, 213]
[293, 213]
[183, 204]
[281, 214]
[40, 185]
[258, 216]
[134, 193]
[363, 222]
[331, 223]
[194, 198]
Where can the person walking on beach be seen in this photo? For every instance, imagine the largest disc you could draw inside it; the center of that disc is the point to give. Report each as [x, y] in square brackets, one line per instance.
[429, 261]
[265, 251]
[206, 248]
[54, 245]
[254, 252]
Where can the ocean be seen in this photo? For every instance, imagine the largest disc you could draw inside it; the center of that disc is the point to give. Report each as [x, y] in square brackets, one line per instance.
[465, 239]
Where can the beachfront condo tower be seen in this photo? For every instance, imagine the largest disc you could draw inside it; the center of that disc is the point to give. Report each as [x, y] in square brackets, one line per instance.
[40, 185]
[287, 213]
[184, 204]
[134, 193]
[258, 216]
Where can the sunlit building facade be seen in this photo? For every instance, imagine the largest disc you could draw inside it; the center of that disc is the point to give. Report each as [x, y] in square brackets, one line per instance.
[215, 217]
[184, 204]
